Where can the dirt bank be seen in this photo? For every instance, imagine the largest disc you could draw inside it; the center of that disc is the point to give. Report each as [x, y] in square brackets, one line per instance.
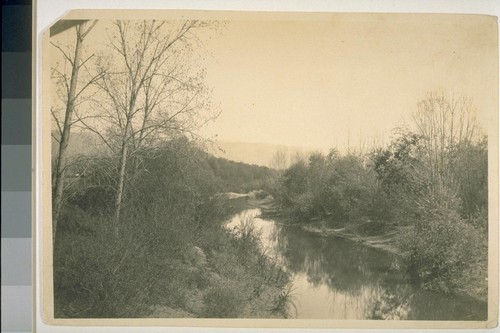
[383, 242]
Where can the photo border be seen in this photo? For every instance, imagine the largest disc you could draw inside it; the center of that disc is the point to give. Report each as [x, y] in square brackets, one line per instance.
[43, 203]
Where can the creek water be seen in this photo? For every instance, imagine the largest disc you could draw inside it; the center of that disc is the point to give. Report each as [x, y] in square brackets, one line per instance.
[336, 278]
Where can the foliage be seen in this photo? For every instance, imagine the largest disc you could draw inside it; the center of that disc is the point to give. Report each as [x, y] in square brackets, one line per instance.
[237, 176]
[438, 211]
[429, 186]
[470, 173]
[436, 181]
[438, 256]
[223, 301]
[341, 187]
[99, 275]
[398, 168]
[90, 184]
[170, 250]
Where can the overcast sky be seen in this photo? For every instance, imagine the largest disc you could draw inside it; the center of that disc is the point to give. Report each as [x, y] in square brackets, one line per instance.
[318, 82]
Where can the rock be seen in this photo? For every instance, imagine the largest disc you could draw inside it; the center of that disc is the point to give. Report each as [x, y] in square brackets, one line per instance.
[197, 257]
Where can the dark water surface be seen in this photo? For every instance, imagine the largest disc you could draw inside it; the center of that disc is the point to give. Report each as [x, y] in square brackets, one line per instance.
[335, 278]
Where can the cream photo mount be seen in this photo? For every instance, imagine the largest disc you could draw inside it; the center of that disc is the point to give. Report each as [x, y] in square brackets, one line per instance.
[44, 224]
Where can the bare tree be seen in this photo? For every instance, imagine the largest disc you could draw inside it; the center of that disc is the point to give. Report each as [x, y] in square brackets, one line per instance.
[444, 122]
[280, 160]
[70, 92]
[150, 92]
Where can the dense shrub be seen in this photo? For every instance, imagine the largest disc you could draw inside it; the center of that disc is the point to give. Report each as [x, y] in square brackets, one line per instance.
[435, 200]
[398, 168]
[470, 174]
[440, 199]
[340, 187]
[90, 185]
[302, 206]
[429, 186]
[104, 275]
[442, 251]
[223, 301]
[238, 176]
[352, 187]
[168, 249]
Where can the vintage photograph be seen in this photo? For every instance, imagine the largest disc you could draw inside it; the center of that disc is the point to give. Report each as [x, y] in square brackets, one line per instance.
[270, 166]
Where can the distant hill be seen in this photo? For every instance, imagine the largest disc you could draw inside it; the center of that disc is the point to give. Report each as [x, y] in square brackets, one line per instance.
[254, 153]
[251, 153]
[80, 143]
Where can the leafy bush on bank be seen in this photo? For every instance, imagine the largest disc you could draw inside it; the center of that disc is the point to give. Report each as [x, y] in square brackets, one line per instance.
[169, 249]
[436, 202]
[442, 251]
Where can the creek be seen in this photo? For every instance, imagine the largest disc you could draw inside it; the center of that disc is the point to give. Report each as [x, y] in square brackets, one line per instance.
[336, 278]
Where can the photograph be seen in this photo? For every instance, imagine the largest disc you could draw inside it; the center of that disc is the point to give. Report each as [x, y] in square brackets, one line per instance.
[302, 168]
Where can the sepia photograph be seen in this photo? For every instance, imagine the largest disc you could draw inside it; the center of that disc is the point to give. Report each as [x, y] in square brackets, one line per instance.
[278, 166]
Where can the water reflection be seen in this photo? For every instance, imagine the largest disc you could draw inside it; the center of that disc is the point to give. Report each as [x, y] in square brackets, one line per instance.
[334, 278]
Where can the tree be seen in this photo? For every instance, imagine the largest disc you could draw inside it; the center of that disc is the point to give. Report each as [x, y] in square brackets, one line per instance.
[70, 93]
[280, 160]
[470, 170]
[399, 169]
[444, 122]
[446, 163]
[149, 93]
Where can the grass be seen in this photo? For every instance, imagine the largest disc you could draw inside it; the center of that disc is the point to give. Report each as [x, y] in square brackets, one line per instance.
[165, 265]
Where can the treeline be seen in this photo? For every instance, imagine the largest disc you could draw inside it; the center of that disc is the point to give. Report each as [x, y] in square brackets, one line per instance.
[230, 176]
[170, 255]
[429, 185]
[237, 176]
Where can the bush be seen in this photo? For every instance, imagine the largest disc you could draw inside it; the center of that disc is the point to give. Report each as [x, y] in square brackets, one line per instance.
[90, 185]
[302, 206]
[223, 301]
[171, 208]
[341, 187]
[442, 252]
[104, 275]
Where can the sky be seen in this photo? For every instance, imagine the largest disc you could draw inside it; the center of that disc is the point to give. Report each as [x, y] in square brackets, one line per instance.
[344, 79]
[332, 80]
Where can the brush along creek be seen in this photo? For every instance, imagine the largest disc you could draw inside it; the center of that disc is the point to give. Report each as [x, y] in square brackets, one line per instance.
[340, 275]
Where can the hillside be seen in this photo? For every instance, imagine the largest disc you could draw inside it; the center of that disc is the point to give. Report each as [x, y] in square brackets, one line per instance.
[253, 153]
[80, 143]
[250, 153]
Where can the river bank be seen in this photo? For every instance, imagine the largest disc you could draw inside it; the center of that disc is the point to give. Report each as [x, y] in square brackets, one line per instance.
[334, 277]
[387, 242]
[191, 266]
[368, 233]
[384, 242]
[232, 278]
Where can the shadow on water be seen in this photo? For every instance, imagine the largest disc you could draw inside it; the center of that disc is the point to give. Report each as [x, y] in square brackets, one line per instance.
[337, 278]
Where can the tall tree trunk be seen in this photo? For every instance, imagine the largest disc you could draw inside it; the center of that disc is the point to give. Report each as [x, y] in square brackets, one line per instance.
[121, 180]
[61, 164]
[123, 161]
[63, 145]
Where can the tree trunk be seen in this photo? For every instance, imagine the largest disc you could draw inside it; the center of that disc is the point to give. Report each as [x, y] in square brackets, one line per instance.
[63, 145]
[123, 162]
[121, 180]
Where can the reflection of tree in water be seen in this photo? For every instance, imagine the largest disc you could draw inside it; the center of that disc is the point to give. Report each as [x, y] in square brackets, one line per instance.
[389, 303]
[361, 282]
[403, 301]
[360, 279]
[337, 263]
